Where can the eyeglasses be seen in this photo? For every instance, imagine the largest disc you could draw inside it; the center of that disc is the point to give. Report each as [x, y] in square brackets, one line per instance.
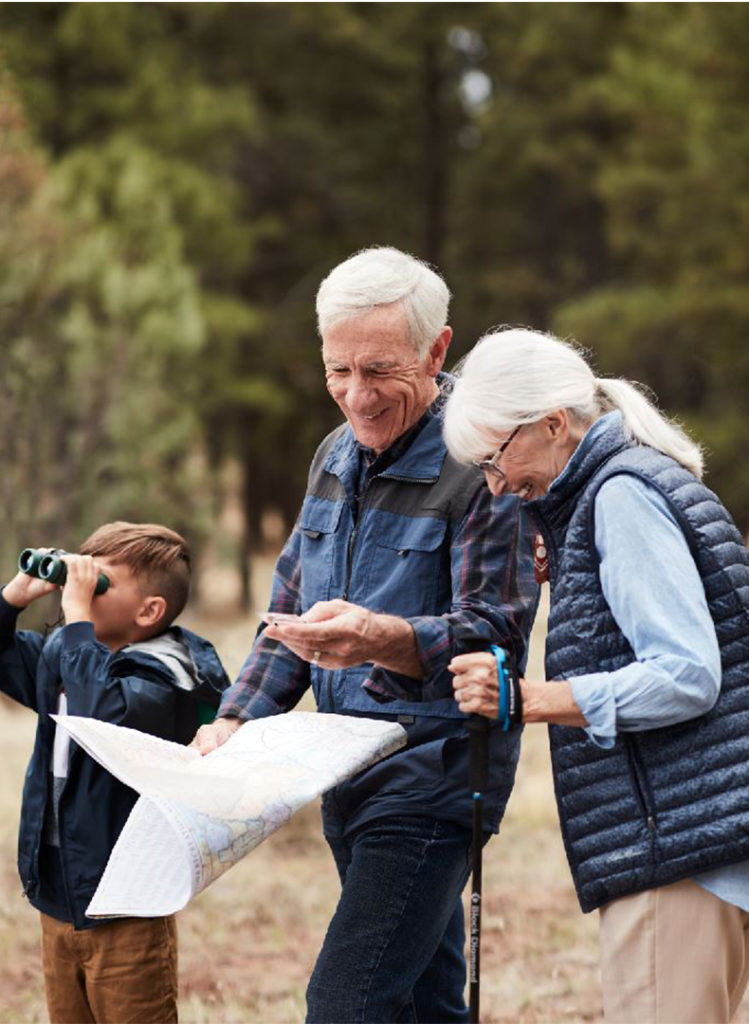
[491, 465]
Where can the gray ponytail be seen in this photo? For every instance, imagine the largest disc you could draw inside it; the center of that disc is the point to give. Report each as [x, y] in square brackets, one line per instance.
[646, 424]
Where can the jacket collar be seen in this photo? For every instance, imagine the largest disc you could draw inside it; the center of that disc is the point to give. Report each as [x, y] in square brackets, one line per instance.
[421, 459]
[602, 441]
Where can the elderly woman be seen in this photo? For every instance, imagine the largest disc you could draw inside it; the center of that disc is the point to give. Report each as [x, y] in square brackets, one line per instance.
[648, 661]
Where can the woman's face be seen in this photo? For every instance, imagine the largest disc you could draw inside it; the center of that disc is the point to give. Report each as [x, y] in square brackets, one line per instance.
[534, 457]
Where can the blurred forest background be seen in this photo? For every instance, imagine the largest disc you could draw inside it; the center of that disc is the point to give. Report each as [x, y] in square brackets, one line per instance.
[176, 179]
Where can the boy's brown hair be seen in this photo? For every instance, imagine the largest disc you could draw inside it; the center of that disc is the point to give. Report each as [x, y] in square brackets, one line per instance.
[153, 553]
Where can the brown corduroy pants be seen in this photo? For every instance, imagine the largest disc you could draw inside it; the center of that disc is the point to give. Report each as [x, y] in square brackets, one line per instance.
[121, 972]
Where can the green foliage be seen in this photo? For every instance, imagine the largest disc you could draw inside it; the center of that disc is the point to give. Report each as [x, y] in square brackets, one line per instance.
[101, 328]
[580, 167]
[677, 202]
[529, 228]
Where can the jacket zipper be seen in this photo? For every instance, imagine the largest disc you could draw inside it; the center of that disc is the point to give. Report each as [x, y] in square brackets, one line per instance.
[359, 502]
[31, 885]
[640, 788]
[350, 559]
[344, 597]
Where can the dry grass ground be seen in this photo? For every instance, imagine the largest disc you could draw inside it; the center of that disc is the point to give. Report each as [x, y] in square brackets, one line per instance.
[247, 945]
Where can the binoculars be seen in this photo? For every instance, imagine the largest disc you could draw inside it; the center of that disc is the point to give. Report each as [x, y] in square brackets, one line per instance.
[49, 566]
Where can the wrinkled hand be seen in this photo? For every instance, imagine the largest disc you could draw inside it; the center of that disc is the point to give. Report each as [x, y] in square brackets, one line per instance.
[476, 684]
[79, 587]
[209, 737]
[337, 634]
[333, 634]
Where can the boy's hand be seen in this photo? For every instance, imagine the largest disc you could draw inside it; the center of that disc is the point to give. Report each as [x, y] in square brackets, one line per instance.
[78, 591]
[23, 589]
[208, 737]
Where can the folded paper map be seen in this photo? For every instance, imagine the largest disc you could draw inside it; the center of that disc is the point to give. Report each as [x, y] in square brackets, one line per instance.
[198, 815]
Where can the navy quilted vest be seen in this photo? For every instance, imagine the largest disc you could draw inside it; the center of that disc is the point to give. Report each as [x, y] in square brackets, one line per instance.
[662, 804]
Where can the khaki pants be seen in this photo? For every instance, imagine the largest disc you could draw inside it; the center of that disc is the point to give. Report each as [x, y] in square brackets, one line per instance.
[674, 955]
[121, 972]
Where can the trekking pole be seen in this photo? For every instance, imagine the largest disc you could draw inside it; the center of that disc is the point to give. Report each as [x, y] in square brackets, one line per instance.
[509, 714]
[479, 728]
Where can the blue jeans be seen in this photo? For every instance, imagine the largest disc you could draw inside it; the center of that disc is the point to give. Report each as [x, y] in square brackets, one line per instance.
[394, 948]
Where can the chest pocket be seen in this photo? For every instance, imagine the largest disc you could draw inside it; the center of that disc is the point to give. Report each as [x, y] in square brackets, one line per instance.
[320, 554]
[410, 574]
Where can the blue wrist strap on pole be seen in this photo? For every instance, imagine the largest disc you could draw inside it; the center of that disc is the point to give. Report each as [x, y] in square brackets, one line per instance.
[501, 657]
[510, 709]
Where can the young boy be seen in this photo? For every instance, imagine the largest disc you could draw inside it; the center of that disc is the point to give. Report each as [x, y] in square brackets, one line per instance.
[119, 659]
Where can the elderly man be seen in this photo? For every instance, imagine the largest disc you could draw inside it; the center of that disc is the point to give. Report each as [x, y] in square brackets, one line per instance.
[398, 558]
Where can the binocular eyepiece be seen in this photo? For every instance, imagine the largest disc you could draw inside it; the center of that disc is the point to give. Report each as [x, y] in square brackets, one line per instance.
[49, 566]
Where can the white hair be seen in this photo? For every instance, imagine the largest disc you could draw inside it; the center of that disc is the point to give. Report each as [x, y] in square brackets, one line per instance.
[383, 276]
[517, 376]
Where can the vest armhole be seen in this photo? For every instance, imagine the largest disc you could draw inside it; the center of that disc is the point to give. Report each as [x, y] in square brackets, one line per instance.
[683, 522]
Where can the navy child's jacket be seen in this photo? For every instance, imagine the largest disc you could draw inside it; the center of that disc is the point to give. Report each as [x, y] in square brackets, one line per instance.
[159, 687]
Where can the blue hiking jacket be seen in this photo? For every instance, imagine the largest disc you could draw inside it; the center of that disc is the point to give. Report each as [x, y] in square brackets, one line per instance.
[393, 548]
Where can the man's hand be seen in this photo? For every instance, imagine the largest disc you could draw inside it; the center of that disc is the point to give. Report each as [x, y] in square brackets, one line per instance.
[23, 589]
[80, 584]
[209, 737]
[337, 634]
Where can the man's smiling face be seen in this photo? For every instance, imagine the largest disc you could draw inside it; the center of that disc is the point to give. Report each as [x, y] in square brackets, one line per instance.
[376, 377]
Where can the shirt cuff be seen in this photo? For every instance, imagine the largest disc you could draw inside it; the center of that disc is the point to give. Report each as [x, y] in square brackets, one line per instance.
[8, 612]
[432, 639]
[258, 706]
[432, 635]
[594, 696]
